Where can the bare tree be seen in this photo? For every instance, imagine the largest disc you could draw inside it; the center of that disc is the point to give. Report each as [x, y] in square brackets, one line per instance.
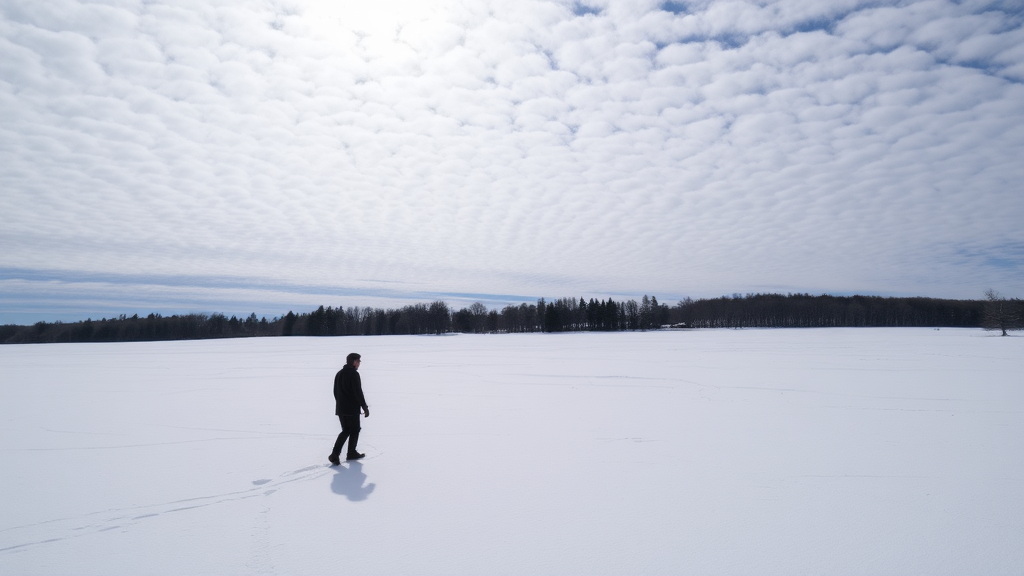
[1000, 313]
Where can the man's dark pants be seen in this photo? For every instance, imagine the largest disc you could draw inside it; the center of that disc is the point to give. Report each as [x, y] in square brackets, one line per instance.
[350, 432]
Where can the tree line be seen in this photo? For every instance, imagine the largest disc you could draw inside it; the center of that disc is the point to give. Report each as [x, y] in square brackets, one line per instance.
[807, 311]
[558, 315]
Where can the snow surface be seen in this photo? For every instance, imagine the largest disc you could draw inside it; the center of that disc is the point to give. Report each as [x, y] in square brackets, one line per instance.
[834, 451]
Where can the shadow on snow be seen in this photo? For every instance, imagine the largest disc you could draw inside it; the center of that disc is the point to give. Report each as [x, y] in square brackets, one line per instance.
[349, 481]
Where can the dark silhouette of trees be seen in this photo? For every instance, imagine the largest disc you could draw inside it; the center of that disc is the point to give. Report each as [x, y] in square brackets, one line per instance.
[1000, 313]
[556, 315]
[136, 328]
[439, 320]
[806, 311]
[521, 318]
[288, 325]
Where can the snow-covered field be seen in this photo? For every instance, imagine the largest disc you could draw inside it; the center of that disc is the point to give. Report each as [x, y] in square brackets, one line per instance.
[837, 451]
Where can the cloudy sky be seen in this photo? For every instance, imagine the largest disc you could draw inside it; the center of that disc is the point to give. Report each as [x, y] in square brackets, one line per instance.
[265, 155]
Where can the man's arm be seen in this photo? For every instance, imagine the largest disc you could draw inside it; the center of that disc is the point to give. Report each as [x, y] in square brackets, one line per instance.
[357, 388]
[338, 386]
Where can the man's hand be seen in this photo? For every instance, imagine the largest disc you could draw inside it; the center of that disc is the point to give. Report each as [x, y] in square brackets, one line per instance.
[366, 411]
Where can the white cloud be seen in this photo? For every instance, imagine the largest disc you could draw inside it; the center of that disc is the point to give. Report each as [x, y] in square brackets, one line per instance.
[517, 148]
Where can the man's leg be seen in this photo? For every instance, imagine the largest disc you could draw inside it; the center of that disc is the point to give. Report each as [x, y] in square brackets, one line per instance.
[340, 441]
[351, 425]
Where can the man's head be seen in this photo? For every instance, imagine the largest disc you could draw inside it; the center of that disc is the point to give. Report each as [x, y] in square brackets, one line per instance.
[352, 359]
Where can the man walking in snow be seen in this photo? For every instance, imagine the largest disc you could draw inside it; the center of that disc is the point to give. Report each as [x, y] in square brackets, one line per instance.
[349, 400]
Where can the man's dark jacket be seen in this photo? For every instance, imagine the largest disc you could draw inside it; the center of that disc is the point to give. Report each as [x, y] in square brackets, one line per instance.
[348, 392]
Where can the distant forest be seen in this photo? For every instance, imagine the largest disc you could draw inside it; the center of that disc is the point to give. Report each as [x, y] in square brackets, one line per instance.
[560, 315]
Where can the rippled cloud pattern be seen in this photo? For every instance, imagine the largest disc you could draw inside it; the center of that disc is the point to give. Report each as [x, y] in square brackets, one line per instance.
[237, 155]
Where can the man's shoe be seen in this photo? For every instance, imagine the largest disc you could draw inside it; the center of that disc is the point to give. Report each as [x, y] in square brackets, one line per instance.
[354, 456]
[333, 460]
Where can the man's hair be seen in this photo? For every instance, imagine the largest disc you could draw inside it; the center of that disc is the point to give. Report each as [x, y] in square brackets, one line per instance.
[351, 358]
